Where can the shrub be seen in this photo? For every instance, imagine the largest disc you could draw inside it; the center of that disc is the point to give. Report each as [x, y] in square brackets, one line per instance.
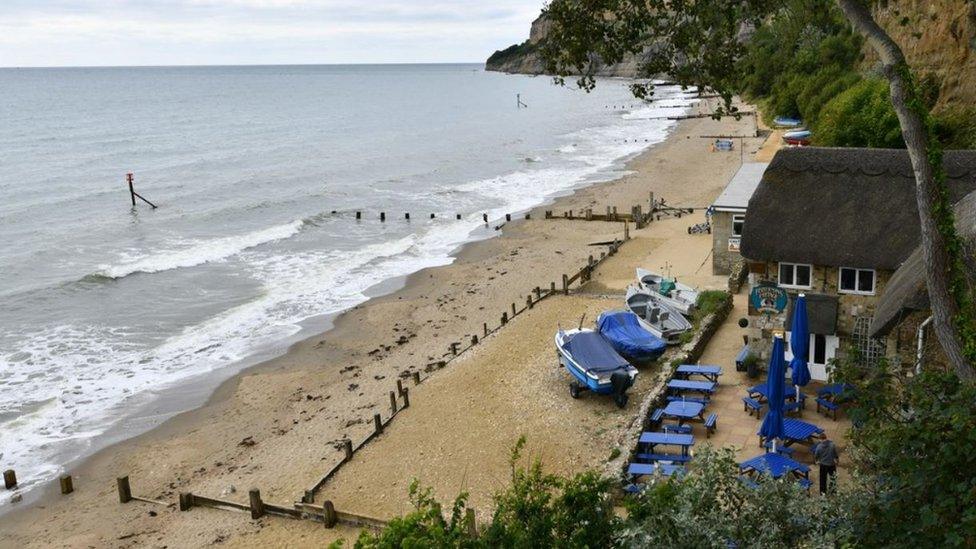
[956, 127]
[861, 116]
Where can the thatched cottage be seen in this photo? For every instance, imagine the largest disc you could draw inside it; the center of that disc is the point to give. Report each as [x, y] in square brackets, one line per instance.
[834, 224]
[903, 310]
[729, 216]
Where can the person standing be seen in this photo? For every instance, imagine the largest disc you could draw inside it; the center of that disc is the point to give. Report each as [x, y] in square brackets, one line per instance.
[825, 454]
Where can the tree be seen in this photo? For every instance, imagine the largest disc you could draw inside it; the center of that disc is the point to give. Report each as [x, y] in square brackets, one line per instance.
[701, 43]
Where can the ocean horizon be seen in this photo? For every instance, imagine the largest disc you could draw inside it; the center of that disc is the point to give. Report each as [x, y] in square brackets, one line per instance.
[258, 172]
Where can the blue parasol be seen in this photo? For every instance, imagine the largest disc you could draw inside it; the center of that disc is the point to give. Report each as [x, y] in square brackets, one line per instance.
[772, 424]
[800, 344]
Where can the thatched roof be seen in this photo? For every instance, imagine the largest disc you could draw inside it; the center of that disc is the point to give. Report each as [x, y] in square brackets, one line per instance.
[906, 291]
[842, 207]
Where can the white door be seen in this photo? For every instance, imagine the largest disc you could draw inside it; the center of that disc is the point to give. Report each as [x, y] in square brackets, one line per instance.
[823, 348]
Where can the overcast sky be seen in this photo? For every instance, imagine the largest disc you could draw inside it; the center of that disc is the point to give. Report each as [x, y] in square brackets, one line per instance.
[204, 32]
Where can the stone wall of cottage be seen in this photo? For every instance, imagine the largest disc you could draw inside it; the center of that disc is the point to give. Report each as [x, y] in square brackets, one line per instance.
[722, 258]
[825, 280]
[902, 344]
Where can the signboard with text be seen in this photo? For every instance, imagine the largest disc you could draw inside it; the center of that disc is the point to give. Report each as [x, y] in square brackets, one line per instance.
[768, 298]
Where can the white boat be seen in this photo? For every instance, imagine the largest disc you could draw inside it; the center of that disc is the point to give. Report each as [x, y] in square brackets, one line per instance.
[678, 296]
[656, 316]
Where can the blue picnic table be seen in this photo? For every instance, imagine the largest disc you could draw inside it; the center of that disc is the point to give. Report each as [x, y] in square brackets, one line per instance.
[684, 410]
[833, 390]
[707, 387]
[759, 392]
[652, 439]
[710, 373]
[644, 469]
[797, 430]
[774, 465]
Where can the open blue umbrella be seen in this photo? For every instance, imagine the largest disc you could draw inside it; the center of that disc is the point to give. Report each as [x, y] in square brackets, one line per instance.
[772, 424]
[800, 344]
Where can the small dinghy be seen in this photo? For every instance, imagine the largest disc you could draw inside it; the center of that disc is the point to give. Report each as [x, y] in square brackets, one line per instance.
[786, 122]
[596, 366]
[668, 291]
[656, 316]
[631, 340]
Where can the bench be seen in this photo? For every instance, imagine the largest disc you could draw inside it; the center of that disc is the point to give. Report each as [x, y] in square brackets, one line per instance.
[710, 424]
[827, 405]
[740, 359]
[652, 458]
[677, 429]
[793, 406]
[751, 405]
[657, 416]
[780, 449]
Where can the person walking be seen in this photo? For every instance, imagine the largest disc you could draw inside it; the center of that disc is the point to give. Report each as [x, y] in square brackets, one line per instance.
[825, 454]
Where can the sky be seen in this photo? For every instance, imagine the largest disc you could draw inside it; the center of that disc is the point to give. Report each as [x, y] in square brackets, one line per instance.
[43, 33]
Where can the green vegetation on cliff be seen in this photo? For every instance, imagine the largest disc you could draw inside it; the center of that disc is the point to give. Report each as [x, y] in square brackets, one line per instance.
[511, 53]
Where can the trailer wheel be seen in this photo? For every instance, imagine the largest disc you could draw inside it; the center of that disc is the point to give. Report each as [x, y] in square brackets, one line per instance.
[621, 400]
[574, 389]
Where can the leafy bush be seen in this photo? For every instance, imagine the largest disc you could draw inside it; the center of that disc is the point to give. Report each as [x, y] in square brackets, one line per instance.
[424, 527]
[956, 127]
[711, 301]
[861, 116]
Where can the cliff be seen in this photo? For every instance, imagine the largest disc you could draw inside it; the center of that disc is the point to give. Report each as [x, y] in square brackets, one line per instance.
[525, 58]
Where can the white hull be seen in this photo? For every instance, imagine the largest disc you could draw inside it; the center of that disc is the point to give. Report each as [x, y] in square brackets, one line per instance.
[683, 298]
[670, 328]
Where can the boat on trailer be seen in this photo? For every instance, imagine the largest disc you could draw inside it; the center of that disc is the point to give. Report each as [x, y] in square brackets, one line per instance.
[629, 338]
[594, 364]
[669, 291]
[656, 316]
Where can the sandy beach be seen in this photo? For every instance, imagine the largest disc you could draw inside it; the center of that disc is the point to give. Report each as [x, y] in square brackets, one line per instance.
[277, 426]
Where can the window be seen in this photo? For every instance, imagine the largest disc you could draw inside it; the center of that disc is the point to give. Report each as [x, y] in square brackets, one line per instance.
[793, 275]
[738, 222]
[856, 281]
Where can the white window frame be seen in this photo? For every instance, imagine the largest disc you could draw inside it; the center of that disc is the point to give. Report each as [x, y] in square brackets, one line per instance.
[857, 281]
[779, 277]
[741, 218]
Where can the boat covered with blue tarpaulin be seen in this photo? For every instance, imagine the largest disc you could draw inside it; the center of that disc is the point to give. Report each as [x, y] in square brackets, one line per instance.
[629, 338]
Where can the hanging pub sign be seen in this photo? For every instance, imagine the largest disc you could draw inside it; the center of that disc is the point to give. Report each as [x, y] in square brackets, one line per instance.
[768, 298]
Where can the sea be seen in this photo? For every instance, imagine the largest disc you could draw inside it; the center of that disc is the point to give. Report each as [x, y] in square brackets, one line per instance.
[114, 317]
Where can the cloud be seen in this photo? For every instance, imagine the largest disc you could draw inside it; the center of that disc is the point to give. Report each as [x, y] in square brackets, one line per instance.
[141, 32]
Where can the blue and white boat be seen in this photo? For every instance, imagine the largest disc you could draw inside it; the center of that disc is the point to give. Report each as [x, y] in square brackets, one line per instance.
[629, 338]
[786, 122]
[596, 367]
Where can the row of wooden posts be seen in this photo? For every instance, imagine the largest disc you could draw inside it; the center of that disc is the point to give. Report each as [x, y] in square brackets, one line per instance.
[399, 401]
[406, 216]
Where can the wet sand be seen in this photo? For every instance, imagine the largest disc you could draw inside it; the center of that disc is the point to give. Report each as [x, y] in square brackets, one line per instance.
[276, 426]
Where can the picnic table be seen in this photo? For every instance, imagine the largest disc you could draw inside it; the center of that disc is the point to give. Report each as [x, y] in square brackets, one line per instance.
[774, 465]
[707, 387]
[834, 390]
[760, 393]
[652, 439]
[682, 410]
[710, 373]
[797, 430]
[645, 469]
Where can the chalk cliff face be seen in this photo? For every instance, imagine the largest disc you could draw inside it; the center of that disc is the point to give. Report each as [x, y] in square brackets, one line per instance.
[525, 58]
[939, 39]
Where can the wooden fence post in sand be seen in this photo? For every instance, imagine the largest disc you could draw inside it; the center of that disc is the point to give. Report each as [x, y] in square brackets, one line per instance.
[486, 329]
[393, 403]
[399, 387]
[347, 449]
[125, 493]
[504, 318]
[186, 501]
[508, 217]
[615, 213]
[9, 479]
[406, 397]
[528, 301]
[67, 486]
[484, 217]
[457, 216]
[416, 378]
[626, 231]
[359, 215]
[552, 288]
[407, 216]
[513, 311]
[565, 285]
[609, 217]
[589, 214]
[377, 423]
[454, 349]
[257, 506]
[538, 293]
[329, 517]
[382, 216]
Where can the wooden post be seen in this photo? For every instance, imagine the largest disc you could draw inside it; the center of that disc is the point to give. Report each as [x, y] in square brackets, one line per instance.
[457, 216]
[565, 285]
[67, 486]
[609, 218]
[329, 517]
[377, 423]
[471, 524]
[132, 191]
[528, 215]
[538, 293]
[382, 216]
[615, 213]
[186, 501]
[399, 387]
[486, 329]
[474, 340]
[406, 216]
[9, 479]
[257, 506]
[125, 493]
[347, 449]
[508, 217]
[650, 207]
[552, 288]
[359, 215]
[416, 378]
[528, 301]
[626, 231]
[432, 216]
[504, 318]
[513, 310]
[589, 214]
[406, 397]
[484, 216]
[393, 403]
